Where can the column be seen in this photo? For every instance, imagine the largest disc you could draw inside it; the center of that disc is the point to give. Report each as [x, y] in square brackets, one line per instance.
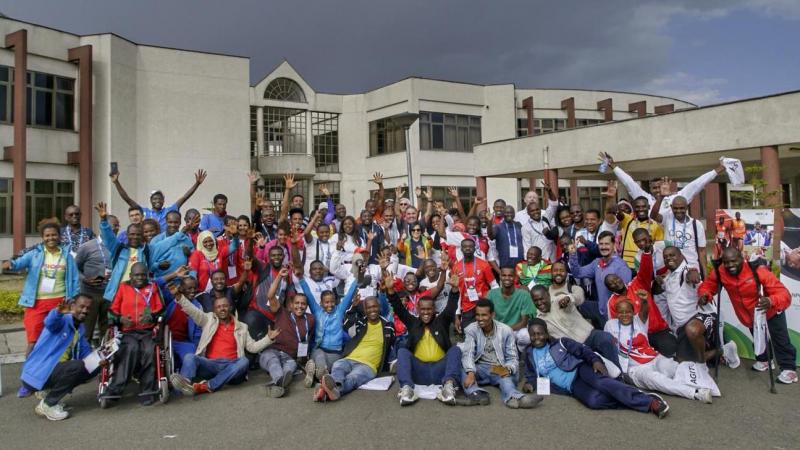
[568, 104]
[18, 154]
[607, 107]
[663, 109]
[573, 192]
[712, 205]
[528, 105]
[640, 108]
[772, 176]
[551, 176]
[260, 131]
[83, 56]
[480, 189]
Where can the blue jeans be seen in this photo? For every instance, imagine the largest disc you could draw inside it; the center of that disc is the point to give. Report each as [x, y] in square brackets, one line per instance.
[180, 349]
[277, 363]
[603, 343]
[218, 372]
[410, 370]
[484, 375]
[349, 374]
[601, 392]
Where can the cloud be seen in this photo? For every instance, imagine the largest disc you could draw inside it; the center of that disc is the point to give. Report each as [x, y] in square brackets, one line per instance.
[684, 86]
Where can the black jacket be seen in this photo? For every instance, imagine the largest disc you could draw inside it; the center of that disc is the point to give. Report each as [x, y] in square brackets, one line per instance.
[361, 329]
[439, 326]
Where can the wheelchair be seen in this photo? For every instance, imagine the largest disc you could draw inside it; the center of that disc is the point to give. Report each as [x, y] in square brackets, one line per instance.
[164, 364]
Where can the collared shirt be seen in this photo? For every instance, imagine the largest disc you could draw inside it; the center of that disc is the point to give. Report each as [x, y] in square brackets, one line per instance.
[160, 215]
[76, 238]
[682, 297]
[509, 243]
[533, 232]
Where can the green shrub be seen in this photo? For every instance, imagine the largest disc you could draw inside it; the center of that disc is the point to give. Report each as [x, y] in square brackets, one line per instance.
[8, 302]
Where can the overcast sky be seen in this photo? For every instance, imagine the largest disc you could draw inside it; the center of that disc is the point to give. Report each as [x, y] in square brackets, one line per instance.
[703, 51]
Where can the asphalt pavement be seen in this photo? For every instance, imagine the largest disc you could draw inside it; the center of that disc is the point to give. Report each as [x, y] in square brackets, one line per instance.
[746, 416]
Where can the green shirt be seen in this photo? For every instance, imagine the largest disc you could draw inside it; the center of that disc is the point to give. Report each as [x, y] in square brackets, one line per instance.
[508, 310]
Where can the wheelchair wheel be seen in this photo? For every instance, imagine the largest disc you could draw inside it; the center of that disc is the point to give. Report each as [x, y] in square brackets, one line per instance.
[163, 386]
[104, 403]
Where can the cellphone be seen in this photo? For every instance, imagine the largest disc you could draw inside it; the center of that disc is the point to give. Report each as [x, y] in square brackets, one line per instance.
[114, 168]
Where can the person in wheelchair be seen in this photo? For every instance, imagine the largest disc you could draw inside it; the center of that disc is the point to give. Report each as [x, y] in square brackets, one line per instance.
[184, 331]
[135, 310]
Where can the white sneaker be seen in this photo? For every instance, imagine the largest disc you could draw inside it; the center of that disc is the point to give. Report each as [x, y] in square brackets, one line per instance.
[703, 395]
[407, 395]
[448, 394]
[51, 412]
[731, 354]
[761, 366]
[787, 377]
[311, 370]
[393, 366]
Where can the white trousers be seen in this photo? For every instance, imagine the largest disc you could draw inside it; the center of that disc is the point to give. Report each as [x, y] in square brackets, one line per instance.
[659, 375]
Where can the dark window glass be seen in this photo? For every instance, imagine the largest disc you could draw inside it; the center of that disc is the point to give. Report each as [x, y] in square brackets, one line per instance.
[44, 108]
[64, 110]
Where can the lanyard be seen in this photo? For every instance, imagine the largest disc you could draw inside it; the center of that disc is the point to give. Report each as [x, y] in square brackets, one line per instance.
[630, 343]
[102, 253]
[146, 298]
[326, 254]
[297, 330]
[512, 234]
[675, 234]
[533, 227]
[81, 236]
[211, 267]
[474, 271]
[51, 273]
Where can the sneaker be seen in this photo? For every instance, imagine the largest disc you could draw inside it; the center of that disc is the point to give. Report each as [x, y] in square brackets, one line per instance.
[407, 396]
[448, 393]
[201, 388]
[474, 399]
[761, 366]
[787, 377]
[731, 355]
[658, 406]
[51, 412]
[321, 371]
[513, 403]
[24, 392]
[182, 383]
[320, 395]
[529, 401]
[703, 395]
[147, 400]
[275, 391]
[286, 380]
[393, 367]
[329, 386]
[311, 370]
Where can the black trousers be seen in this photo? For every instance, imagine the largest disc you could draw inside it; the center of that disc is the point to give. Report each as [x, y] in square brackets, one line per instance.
[65, 377]
[136, 356]
[664, 342]
[785, 352]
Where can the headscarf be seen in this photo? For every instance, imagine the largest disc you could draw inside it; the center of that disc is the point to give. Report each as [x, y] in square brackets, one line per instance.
[209, 254]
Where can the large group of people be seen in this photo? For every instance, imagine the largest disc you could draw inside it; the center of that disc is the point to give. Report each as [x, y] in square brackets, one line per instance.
[604, 305]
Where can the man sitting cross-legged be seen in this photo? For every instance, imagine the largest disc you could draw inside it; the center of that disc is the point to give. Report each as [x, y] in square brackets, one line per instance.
[428, 357]
[220, 358]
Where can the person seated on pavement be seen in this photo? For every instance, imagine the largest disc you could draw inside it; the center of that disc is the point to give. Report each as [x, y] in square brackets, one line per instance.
[568, 367]
[512, 305]
[55, 365]
[563, 318]
[364, 355]
[281, 358]
[428, 357]
[329, 334]
[489, 357]
[644, 366]
[220, 356]
[185, 333]
[135, 309]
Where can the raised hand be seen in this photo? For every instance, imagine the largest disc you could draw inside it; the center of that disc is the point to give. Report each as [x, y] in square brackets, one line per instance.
[377, 178]
[200, 176]
[429, 194]
[356, 299]
[340, 244]
[284, 272]
[63, 307]
[182, 272]
[370, 236]
[383, 261]
[102, 210]
[642, 294]
[399, 192]
[611, 189]
[453, 191]
[665, 186]
[253, 177]
[114, 177]
[323, 189]
[289, 182]
[418, 191]
[453, 281]
[248, 264]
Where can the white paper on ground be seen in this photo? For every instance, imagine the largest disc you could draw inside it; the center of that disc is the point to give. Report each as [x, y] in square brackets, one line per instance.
[378, 384]
[428, 392]
[543, 386]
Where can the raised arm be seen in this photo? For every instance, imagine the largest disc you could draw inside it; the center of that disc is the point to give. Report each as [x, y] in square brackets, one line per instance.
[453, 191]
[655, 212]
[199, 177]
[633, 188]
[428, 204]
[115, 181]
[312, 225]
[644, 305]
[288, 179]
[274, 305]
[377, 178]
[694, 187]
[106, 233]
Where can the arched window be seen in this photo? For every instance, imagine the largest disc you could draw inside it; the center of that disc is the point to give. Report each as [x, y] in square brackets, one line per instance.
[286, 90]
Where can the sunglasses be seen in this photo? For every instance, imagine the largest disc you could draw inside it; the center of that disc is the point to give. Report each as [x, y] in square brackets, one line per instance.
[417, 230]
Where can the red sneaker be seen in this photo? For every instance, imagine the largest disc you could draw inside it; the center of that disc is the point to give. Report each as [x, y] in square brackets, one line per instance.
[320, 395]
[201, 388]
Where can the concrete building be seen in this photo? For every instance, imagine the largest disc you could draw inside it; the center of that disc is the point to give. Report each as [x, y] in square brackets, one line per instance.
[163, 113]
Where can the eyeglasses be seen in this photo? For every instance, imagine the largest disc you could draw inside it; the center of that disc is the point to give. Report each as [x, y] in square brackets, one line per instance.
[417, 230]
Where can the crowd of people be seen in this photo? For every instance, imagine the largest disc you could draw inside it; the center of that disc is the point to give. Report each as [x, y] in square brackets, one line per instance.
[605, 306]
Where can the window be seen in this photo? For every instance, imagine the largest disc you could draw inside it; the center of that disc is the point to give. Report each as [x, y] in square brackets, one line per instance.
[51, 99]
[522, 126]
[449, 132]
[325, 134]
[44, 199]
[333, 188]
[591, 198]
[562, 192]
[385, 136]
[466, 195]
[273, 188]
[286, 90]
[284, 131]
[587, 122]
[253, 131]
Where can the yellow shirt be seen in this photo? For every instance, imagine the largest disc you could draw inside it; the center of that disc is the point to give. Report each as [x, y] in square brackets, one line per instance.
[52, 276]
[370, 350]
[428, 350]
[629, 248]
[66, 356]
[133, 258]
